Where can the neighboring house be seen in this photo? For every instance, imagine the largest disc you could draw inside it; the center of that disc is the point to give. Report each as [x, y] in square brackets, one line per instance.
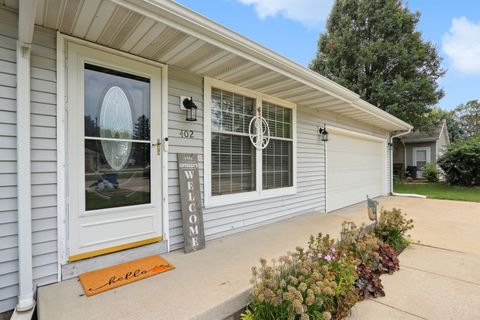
[91, 125]
[419, 148]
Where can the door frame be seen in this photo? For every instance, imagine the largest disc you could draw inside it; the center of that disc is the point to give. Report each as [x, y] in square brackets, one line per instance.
[428, 156]
[62, 145]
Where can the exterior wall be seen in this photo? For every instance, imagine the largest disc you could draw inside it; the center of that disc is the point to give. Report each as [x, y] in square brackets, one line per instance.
[228, 219]
[43, 132]
[410, 146]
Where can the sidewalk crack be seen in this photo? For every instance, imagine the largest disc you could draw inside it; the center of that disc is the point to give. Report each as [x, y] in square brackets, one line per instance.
[398, 309]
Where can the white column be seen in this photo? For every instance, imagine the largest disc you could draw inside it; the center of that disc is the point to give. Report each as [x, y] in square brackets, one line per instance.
[26, 20]
[25, 296]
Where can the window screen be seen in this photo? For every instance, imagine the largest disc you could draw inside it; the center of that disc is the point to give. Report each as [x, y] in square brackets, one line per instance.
[233, 155]
[277, 156]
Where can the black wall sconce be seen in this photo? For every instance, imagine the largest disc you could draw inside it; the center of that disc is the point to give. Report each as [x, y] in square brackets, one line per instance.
[324, 133]
[191, 109]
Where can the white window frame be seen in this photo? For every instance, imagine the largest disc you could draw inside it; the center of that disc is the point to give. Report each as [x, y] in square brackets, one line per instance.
[259, 194]
[427, 152]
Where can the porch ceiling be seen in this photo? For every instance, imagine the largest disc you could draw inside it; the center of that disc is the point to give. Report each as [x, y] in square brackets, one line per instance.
[143, 28]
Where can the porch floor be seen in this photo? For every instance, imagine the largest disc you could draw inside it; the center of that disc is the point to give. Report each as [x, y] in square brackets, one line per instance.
[210, 284]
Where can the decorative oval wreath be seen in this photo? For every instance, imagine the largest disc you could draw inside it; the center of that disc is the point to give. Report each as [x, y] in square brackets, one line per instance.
[259, 132]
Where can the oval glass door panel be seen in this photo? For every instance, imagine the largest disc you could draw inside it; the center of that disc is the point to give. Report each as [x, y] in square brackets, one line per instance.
[117, 139]
[116, 123]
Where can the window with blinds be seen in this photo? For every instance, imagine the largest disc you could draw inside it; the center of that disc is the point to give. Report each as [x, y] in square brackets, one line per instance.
[233, 155]
[277, 156]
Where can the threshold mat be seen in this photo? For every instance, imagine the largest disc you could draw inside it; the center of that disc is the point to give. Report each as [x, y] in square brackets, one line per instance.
[98, 281]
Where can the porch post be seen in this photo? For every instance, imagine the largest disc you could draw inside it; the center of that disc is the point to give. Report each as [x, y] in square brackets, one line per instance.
[26, 20]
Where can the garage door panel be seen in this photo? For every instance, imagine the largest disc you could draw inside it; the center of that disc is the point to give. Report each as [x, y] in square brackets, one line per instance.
[356, 166]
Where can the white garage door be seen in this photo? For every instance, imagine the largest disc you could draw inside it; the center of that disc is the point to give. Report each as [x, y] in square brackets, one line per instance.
[355, 168]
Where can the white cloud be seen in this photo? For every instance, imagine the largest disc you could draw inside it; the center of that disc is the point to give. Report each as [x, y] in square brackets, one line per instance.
[311, 13]
[462, 45]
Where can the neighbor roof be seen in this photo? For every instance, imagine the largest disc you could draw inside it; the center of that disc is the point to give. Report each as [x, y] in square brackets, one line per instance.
[419, 136]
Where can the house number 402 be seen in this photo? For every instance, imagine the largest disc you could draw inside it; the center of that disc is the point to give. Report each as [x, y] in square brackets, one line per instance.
[186, 133]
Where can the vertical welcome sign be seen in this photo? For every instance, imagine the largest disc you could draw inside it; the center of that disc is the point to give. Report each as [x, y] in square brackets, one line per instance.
[192, 214]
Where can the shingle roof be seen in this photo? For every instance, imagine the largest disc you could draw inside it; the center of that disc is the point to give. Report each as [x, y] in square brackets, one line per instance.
[420, 135]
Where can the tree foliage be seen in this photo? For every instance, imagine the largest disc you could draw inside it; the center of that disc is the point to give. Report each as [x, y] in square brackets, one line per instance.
[373, 48]
[461, 162]
[468, 117]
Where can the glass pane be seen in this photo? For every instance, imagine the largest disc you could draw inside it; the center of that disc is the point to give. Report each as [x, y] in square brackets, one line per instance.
[117, 105]
[421, 155]
[277, 164]
[233, 164]
[126, 185]
[279, 120]
[231, 112]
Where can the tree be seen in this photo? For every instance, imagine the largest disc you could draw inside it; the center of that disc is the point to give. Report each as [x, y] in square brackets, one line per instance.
[468, 116]
[455, 131]
[373, 48]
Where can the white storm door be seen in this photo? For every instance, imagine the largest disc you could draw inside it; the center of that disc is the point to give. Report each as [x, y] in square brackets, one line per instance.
[421, 156]
[114, 161]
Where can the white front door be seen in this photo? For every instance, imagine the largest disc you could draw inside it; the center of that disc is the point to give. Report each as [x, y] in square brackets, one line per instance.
[421, 156]
[114, 164]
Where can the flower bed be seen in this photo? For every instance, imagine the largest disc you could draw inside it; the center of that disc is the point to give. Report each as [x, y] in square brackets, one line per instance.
[325, 280]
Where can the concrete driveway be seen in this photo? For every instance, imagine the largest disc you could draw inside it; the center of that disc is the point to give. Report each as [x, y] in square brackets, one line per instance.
[439, 277]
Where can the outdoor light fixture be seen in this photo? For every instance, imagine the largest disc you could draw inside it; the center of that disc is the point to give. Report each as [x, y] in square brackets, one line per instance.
[324, 133]
[191, 109]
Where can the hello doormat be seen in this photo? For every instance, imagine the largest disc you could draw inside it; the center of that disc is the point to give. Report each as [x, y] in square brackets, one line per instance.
[95, 282]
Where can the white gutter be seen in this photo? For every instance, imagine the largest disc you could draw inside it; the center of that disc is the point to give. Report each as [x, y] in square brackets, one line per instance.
[391, 169]
[26, 301]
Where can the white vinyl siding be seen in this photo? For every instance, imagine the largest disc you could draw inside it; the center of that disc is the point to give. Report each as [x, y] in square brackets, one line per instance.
[232, 218]
[43, 130]
[228, 219]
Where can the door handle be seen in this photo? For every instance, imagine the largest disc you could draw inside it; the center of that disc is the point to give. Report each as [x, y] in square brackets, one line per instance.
[158, 144]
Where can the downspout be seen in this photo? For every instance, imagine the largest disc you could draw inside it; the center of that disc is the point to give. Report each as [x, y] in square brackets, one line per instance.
[26, 301]
[391, 168]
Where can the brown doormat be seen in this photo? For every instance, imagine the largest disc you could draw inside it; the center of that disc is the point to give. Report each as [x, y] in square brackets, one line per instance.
[98, 281]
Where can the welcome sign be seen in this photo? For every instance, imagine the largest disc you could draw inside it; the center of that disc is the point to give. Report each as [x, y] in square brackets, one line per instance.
[192, 214]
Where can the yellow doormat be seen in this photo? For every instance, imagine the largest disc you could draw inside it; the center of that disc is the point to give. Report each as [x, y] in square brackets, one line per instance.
[102, 280]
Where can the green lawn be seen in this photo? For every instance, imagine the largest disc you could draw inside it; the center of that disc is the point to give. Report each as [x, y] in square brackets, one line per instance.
[440, 191]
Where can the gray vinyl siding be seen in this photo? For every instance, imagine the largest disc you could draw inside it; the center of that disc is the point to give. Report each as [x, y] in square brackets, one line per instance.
[43, 151]
[224, 220]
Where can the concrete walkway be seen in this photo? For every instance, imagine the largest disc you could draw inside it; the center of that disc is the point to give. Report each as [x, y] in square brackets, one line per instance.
[440, 276]
[214, 283]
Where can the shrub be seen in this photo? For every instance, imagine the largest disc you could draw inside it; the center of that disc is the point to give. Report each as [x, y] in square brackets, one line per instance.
[392, 228]
[430, 172]
[461, 162]
[296, 286]
[369, 283]
[388, 259]
[326, 279]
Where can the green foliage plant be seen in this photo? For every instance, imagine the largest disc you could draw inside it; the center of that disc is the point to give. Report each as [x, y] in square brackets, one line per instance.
[392, 228]
[430, 172]
[461, 162]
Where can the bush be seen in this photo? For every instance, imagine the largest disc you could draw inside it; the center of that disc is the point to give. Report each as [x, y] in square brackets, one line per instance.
[325, 280]
[392, 228]
[461, 162]
[430, 172]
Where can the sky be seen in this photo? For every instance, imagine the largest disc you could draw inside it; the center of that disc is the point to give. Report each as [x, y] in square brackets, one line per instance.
[292, 28]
